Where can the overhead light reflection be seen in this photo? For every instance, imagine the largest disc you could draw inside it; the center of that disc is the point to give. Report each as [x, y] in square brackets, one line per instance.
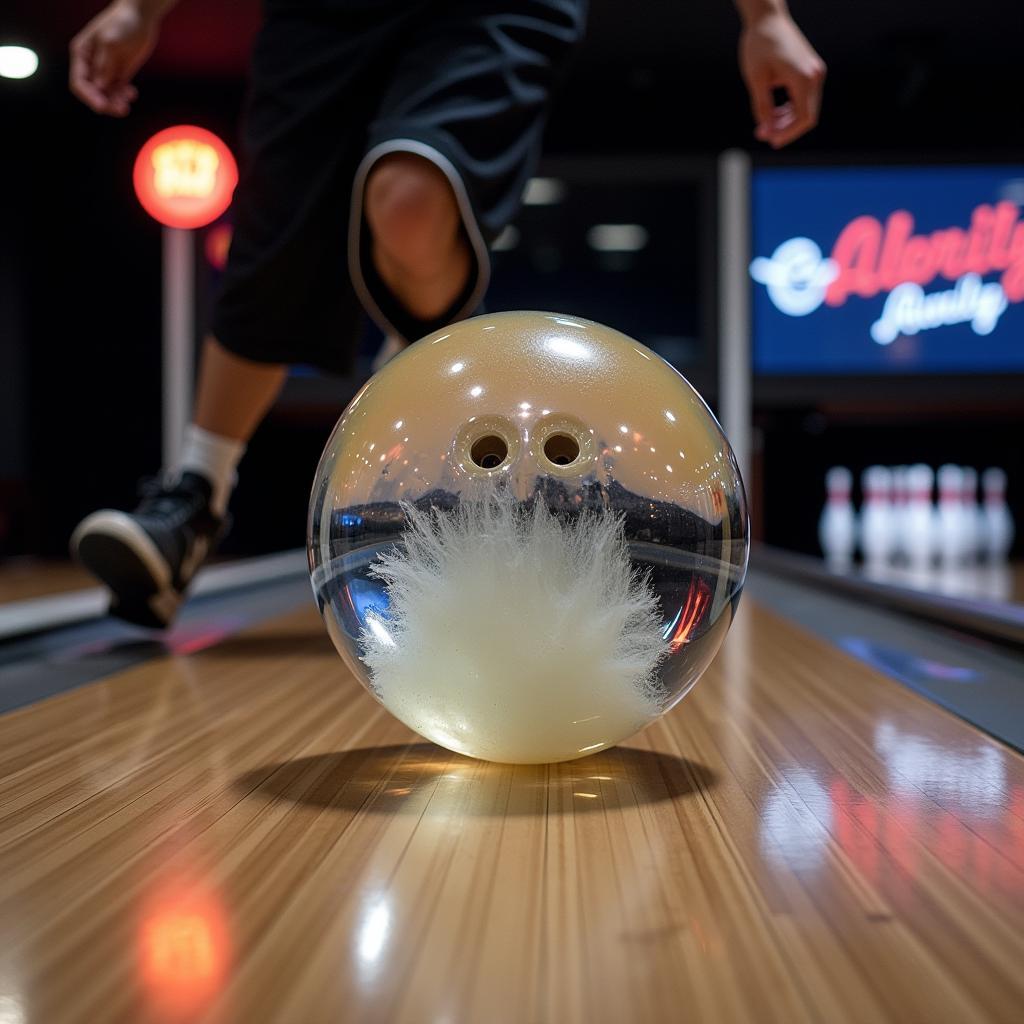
[373, 932]
[378, 629]
[796, 821]
[567, 347]
[11, 1011]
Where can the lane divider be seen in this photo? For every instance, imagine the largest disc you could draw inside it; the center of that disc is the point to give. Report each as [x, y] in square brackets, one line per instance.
[18, 618]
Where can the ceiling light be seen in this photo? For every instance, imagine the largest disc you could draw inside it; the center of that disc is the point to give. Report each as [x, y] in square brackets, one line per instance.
[617, 237]
[18, 62]
[544, 192]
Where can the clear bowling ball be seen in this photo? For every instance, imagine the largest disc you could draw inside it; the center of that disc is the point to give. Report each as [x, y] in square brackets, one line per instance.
[527, 537]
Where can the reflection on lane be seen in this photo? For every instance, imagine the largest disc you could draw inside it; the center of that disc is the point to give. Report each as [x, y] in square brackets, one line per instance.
[939, 804]
[372, 934]
[971, 779]
[183, 948]
[11, 1010]
[797, 822]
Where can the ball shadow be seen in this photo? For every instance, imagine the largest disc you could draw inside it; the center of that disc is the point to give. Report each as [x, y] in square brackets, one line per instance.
[422, 778]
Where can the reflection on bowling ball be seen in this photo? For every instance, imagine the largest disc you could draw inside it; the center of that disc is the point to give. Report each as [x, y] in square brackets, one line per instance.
[527, 537]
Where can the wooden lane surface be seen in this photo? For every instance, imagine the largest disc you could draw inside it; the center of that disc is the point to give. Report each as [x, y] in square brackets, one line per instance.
[22, 580]
[244, 835]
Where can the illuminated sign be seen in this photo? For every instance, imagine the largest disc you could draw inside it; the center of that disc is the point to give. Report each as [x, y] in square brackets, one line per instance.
[185, 176]
[917, 261]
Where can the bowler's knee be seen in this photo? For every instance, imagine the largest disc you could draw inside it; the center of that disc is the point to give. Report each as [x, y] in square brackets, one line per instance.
[411, 209]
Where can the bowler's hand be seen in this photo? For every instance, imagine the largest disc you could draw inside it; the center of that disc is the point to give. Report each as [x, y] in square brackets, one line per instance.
[108, 52]
[774, 53]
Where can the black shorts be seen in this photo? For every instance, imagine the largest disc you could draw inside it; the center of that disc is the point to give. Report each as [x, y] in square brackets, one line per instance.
[337, 84]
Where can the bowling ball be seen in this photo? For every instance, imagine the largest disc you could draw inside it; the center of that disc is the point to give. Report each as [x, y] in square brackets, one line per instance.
[527, 537]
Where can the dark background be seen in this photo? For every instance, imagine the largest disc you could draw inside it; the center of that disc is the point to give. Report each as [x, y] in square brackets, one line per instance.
[80, 273]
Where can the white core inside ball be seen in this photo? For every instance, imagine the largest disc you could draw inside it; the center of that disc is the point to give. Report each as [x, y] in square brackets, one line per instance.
[515, 636]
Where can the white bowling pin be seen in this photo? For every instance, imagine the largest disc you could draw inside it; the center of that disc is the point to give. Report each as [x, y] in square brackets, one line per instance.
[899, 513]
[953, 531]
[997, 538]
[920, 518]
[837, 525]
[969, 496]
[877, 533]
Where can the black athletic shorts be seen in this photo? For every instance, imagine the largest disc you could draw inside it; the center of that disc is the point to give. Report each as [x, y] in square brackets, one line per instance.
[337, 84]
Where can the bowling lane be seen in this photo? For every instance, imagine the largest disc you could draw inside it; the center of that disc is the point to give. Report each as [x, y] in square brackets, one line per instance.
[242, 834]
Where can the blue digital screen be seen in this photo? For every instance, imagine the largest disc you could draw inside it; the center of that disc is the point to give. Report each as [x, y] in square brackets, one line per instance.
[908, 270]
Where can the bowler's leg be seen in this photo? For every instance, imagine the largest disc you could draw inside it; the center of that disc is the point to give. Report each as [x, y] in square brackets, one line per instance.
[418, 246]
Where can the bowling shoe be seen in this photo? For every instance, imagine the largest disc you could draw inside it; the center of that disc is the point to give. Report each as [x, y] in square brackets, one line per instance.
[147, 558]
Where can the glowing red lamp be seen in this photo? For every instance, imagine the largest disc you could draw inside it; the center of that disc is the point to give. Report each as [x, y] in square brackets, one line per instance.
[184, 177]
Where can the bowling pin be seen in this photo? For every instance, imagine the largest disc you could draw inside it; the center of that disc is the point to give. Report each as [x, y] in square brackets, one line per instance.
[899, 513]
[952, 528]
[837, 525]
[997, 537]
[972, 512]
[877, 533]
[920, 518]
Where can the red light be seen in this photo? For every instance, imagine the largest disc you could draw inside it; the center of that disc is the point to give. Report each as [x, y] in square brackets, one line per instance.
[184, 950]
[218, 242]
[697, 599]
[185, 176]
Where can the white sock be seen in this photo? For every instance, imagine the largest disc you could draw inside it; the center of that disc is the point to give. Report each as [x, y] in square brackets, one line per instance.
[214, 457]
